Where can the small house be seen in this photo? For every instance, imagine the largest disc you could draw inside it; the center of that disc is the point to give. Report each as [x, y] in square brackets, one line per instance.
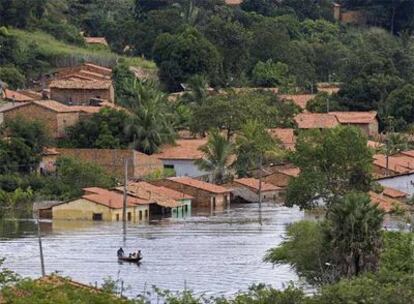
[80, 92]
[248, 189]
[167, 201]
[98, 204]
[181, 157]
[316, 121]
[204, 194]
[367, 122]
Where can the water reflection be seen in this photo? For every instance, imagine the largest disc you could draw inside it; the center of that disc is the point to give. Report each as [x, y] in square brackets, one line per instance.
[218, 254]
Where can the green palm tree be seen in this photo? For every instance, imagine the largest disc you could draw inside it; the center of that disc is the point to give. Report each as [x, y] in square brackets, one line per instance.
[217, 157]
[150, 123]
[354, 234]
[197, 91]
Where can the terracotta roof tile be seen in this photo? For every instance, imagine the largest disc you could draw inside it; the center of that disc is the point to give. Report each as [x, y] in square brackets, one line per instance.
[102, 69]
[111, 199]
[290, 171]
[394, 193]
[254, 183]
[286, 136]
[186, 149]
[173, 194]
[316, 120]
[18, 96]
[300, 100]
[55, 106]
[81, 85]
[399, 165]
[199, 184]
[385, 203]
[355, 117]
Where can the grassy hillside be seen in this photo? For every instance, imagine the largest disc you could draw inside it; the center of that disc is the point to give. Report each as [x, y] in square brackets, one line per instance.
[62, 54]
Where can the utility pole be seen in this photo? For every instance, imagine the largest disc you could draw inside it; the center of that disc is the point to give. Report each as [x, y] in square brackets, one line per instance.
[260, 181]
[39, 236]
[125, 195]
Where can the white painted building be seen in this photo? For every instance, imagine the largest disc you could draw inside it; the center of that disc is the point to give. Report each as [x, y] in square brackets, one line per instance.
[181, 157]
[403, 182]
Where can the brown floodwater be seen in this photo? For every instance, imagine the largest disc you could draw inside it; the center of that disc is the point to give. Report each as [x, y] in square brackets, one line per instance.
[216, 254]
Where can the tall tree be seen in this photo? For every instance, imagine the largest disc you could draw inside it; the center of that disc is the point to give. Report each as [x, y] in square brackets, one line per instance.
[332, 163]
[354, 233]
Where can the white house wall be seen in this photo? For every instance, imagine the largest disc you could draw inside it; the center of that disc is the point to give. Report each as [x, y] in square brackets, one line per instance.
[184, 168]
[404, 183]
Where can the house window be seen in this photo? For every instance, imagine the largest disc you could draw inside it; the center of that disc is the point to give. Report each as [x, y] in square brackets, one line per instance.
[169, 167]
[140, 215]
[214, 202]
[70, 101]
[97, 216]
[129, 216]
[117, 217]
[146, 213]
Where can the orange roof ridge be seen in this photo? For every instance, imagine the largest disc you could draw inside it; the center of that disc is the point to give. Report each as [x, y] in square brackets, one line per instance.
[254, 183]
[199, 184]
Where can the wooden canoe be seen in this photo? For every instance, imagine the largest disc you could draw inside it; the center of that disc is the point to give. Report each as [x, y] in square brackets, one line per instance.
[130, 259]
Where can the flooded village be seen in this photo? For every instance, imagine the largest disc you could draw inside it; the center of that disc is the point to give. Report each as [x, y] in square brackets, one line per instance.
[224, 151]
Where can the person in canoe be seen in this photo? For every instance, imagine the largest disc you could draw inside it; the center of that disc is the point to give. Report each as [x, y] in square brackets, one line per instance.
[120, 252]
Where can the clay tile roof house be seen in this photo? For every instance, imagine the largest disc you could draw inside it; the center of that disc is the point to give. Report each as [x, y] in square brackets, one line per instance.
[96, 40]
[278, 175]
[181, 156]
[55, 116]
[17, 96]
[300, 100]
[99, 204]
[168, 201]
[384, 202]
[285, 135]
[366, 121]
[316, 121]
[247, 189]
[394, 193]
[204, 194]
[80, 92]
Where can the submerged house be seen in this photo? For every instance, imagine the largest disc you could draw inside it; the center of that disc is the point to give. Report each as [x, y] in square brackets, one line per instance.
[167, 201]
[247, 189]
[98, 204]
[204, 194]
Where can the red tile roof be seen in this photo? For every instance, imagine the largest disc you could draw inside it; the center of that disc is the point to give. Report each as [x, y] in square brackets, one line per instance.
[55, 106]
[355, 117]
[111, 199]
[385, 203]
[399, 165]
[300, 100]
[185, 149]
[254, 183]
[316, 120]
[163, 191]
[199, 185]
[18, 96]
[81, 85]
[101, 69]
[290, 171]
[394, 193]
[286, 136]
[233, 2]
